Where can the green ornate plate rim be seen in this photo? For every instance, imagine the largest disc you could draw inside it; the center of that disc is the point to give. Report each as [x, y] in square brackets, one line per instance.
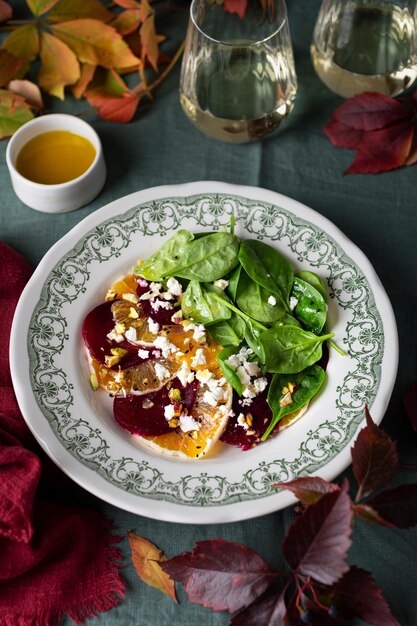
[158, 212]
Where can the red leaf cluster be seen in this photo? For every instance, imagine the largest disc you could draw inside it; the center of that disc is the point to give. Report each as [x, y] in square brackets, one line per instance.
[320, 588]
[380, 128]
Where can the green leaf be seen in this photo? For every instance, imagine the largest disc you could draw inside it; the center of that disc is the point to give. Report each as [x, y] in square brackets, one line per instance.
[315, 281]
[23, 42]
[14, 112]
[268, 268]
[162, 262]
[209, 258]
[199, 305]
[289, 349]
[229, 332]
[307, 384]
[252, 335]
[311, 308]
[252, 298]
[233, 282]
[39, 7]
[229, 371]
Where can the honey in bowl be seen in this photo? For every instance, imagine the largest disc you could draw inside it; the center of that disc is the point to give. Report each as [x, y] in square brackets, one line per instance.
[55, 157]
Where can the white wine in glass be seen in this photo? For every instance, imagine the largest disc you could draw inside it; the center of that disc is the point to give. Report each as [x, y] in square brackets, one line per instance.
[366, 45]
[238, 88]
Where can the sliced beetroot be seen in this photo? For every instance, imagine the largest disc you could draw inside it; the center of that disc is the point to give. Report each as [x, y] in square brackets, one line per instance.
[144, 415]
[97, 324]
[237, 435]
[161, 316]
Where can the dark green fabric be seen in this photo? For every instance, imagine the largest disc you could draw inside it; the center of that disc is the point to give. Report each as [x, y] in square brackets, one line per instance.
[377, 212]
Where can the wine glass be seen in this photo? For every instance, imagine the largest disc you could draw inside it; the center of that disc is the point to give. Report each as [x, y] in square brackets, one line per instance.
[238, 79]
[366, 45]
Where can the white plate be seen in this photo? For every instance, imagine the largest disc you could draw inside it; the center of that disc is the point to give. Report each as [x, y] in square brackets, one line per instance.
[75, 425]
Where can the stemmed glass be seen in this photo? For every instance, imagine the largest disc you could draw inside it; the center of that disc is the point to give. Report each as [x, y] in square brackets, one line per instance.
[238, 79]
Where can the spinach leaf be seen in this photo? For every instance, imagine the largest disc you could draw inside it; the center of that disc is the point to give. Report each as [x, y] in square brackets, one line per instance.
[233, 282]
[289, 349]
[252, 334]
[267, 268]
[229, 332]
[315, 281]
[200, 305]
[288, 320]
[311, 308]
[228, 371]
[162, 262]
[307, 383]
[208, 258]
[252, 298]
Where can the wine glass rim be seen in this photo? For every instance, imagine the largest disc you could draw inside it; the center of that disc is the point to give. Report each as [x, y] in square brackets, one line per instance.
[233, 43]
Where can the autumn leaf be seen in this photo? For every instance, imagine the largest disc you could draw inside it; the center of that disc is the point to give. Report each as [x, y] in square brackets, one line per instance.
[96, 43]
[67, 10]
[343, 136]
[10, 67]
[23, 42]
[6, 12]
[149, 43]
[374, 458]
[267, 611]
[370, 516]
[309, 489]
[127, 4]
[410, 404]
[28, 91]
[127, 21]
[370, 111]
[221, 575]
[356, 595]
[397, 506]
[318, 541]
[59, 66]
[236, 6]
[86, 76]
[146, 558]
[114, 100]
[39, 7]
[14, 112]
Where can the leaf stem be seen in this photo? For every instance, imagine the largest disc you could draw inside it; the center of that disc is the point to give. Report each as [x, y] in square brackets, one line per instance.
[338, 349]
[232, 307]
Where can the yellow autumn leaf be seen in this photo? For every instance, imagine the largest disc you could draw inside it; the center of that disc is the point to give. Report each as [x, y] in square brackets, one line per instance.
[86, 76]
[23, 42]
[148, 39]
[14, 112]
[127, 21]
[39, 7]
[67, 10]
[145, 557]
[59, 65]
[96, 43]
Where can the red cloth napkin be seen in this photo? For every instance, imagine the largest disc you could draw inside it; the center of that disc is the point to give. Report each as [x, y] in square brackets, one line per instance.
[55, 559]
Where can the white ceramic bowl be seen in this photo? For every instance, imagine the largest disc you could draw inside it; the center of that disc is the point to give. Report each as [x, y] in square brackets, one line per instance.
[62, 197]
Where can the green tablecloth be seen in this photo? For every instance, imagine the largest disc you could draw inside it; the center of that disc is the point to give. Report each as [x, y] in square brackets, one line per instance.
[377, 212]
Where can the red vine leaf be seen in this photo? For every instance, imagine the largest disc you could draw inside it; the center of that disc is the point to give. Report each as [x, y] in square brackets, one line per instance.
[356, 595]
[384, 150]
[318, 541]
[309, 489]
[114, 100]
[10, 67]
[374, 458]
[149, 42]
[410, 403]
[367, 514]
[370, 111]
[221, 575]
[397, 506]
[267, 611]
[6, 11]
[147, 559]
[343, 136]
[236, 6]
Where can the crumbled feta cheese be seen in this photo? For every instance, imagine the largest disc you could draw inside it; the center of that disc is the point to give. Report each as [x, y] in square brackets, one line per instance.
[243, 375]
[114, 336]
[293, 302]
[142, 282]
[204, 375]
[260, 384]
[209, 398]
[165, 346]
[153, 326]
[174, 286]
[233, 360]
[221, 283]
[166, 295]
[188, 423]
[272, 300]
[245, 401]
[199, 358]
[161, 304]
[185, 375]
[131, 335]
[161, 371]
[252, 368]
[199, 332]
[143, 354]
[169, 412]
[241, 420]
